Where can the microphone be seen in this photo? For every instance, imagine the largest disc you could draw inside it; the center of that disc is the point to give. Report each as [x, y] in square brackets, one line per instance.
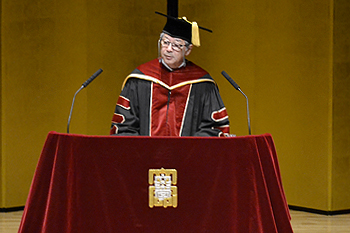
[87, 82]
[235, 85]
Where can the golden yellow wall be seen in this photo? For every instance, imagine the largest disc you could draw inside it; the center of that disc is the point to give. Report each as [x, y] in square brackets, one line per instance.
[279, 52]
[341, 106]
[2, 177]
[49, 48]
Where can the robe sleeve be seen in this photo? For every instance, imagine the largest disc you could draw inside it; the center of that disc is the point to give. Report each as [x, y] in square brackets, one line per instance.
[214, 118]
[125, 119]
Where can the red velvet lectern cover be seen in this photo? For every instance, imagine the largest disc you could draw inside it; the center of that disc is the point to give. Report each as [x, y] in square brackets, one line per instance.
[100, 184]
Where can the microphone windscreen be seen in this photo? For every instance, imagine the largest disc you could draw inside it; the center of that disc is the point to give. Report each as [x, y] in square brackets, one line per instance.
[97, 73]
[234, 84]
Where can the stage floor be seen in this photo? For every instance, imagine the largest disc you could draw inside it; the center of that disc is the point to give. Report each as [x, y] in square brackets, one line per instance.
[302, 222]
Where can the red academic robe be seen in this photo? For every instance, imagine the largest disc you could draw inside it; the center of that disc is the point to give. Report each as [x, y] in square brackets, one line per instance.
[157, 102]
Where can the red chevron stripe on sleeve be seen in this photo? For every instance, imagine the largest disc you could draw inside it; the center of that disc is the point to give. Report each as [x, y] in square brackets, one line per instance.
[219, 115]
[123, 102]
[114, 130]
[118, 118]
[225, 129]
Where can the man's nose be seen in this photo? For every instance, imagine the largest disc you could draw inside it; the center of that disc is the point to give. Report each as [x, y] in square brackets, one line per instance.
[169, 47]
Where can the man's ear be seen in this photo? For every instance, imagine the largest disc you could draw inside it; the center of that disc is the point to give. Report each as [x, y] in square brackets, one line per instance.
[189, 49]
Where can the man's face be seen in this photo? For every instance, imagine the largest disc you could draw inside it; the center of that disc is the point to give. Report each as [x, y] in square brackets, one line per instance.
[173, 51]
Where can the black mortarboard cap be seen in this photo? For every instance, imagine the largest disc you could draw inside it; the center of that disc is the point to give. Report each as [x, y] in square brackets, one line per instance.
[182, 28]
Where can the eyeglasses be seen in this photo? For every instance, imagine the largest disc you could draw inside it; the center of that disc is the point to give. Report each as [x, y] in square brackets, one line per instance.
[175, 46]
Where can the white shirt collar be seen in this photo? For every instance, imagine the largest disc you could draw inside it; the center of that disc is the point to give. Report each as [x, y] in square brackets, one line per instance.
[183, 64]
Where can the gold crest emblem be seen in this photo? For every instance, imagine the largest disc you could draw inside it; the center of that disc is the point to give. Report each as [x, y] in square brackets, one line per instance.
[162, 189]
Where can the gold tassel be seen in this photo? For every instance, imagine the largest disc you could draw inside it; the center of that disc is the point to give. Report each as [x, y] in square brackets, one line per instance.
[195, 34]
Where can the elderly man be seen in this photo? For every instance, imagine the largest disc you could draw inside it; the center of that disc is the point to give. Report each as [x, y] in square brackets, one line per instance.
[171, 96]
